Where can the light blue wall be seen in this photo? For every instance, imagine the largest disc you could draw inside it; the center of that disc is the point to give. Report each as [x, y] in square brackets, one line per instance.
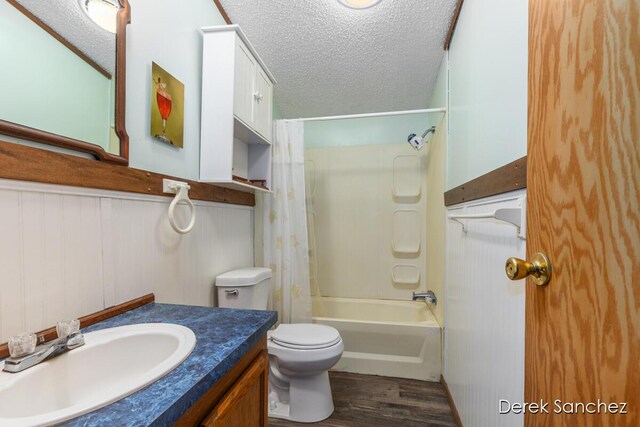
[487, 88]
[366, 131]
[167, 33]
[46, 86]
[439, 95]
[277, 115]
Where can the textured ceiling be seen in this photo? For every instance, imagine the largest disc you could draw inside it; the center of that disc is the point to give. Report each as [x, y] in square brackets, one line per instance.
[329, 59]
[67, 19]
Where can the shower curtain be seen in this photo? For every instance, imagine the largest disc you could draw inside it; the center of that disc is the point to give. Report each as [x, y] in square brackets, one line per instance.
[284, 226]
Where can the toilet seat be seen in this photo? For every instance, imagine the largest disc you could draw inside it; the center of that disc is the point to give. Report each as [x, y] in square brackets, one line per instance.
[305, 336]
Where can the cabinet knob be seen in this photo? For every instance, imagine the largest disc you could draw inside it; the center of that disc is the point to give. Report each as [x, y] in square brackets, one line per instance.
[258, 96]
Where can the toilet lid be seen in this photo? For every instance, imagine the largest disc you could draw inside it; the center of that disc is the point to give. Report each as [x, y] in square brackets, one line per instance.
[305, 336]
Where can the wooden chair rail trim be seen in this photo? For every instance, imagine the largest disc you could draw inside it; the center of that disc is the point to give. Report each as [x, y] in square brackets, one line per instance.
[452, 403]
[203, 407]
[223, 12]
[91, 319]
[452, 26]
[44, 137]
[510, 177]
[32, 164]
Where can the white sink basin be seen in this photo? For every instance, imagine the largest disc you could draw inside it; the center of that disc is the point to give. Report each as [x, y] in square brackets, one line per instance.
[112, 364]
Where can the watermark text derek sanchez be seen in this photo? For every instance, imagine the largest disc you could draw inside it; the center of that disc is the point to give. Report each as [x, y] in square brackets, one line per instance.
[560, 407]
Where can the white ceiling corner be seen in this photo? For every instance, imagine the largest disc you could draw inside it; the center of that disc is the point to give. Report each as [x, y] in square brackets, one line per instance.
[330, 60]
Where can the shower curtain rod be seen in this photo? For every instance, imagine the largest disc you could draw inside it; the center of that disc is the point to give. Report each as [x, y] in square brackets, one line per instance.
[360, 116]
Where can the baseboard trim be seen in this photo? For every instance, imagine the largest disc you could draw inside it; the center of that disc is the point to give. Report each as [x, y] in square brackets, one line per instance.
[452, 404]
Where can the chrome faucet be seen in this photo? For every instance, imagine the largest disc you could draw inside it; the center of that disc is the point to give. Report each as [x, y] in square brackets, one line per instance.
[428, 296]
[44, 352]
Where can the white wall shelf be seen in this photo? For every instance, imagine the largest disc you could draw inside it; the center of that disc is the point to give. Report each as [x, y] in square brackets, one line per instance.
[514, 216]
[242, 186]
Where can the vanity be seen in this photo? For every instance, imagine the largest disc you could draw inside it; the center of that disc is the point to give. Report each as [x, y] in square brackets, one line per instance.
[223, 381]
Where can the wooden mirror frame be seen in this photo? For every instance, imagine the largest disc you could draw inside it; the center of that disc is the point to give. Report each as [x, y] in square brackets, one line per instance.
[36, 135]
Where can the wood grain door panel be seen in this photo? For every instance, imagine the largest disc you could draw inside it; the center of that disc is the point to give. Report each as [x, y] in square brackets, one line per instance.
[583, 330]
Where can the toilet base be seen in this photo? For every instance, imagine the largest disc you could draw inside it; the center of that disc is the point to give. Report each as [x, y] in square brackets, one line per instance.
[310, 400]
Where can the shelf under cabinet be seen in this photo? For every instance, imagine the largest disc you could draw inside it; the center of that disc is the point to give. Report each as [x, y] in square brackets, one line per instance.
[241, 185]
[247, 135]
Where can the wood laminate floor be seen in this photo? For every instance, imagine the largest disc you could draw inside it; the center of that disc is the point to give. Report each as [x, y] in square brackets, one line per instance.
[372, 401]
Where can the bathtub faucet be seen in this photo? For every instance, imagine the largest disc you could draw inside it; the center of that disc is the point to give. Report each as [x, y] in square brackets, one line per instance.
[428, 296]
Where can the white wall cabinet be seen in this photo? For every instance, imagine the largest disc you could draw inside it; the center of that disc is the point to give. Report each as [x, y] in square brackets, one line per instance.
[237, 111]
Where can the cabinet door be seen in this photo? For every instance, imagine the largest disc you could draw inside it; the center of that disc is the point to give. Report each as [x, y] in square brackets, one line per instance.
[245, 404]
[244, 81]
[263, 104]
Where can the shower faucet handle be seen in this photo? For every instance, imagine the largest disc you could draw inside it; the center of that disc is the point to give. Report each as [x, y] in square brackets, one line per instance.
[428, 296]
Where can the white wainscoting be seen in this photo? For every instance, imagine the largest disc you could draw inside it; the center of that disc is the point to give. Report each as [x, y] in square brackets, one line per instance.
[484, 315]
[66, 252]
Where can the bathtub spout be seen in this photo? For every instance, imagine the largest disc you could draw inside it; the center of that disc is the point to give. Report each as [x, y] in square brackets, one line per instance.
[427, 297]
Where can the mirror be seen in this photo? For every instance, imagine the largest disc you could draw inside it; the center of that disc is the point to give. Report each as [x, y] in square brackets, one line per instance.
[63, 77]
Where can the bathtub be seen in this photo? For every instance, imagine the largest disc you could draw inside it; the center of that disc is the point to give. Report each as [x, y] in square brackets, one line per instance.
[384, 337]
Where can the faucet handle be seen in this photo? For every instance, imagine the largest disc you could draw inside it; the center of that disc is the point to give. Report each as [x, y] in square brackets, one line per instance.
[22, 345]
[67, 327]
[75, 340]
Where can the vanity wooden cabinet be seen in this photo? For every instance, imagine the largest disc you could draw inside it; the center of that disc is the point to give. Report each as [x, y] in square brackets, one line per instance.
[239, 398]
[244, 404]
[237, 111]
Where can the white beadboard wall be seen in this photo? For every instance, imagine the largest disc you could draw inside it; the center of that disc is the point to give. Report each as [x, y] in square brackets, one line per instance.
[484, 315]
[67, 252]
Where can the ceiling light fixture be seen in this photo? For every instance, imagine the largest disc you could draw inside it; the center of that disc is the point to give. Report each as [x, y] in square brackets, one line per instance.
[359, 4]
[102, 12]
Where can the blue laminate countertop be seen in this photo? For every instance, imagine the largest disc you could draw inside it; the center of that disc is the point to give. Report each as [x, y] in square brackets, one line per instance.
[223, 337]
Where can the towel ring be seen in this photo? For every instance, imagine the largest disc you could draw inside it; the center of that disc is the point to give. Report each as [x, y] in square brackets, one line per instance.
[182, 195]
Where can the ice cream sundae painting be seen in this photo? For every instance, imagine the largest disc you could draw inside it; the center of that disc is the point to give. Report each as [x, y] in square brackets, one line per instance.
[167, 107]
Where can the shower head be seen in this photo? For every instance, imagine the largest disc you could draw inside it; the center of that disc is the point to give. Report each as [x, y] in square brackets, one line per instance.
[418, 142]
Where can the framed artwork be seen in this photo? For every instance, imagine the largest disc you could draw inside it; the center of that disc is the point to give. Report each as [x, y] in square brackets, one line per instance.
[167, 107]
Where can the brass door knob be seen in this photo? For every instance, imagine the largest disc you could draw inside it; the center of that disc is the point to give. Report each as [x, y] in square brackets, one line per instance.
[539, 269]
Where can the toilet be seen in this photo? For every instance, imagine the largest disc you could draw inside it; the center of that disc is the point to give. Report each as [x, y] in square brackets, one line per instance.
[300, 355]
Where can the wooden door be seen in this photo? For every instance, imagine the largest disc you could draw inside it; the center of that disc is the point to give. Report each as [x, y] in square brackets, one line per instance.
[583, 329]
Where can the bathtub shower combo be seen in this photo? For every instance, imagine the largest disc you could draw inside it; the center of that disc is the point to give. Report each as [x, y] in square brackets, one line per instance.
[367, 229]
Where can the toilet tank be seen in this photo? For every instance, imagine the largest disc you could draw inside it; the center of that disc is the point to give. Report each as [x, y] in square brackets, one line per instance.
[244, 288]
